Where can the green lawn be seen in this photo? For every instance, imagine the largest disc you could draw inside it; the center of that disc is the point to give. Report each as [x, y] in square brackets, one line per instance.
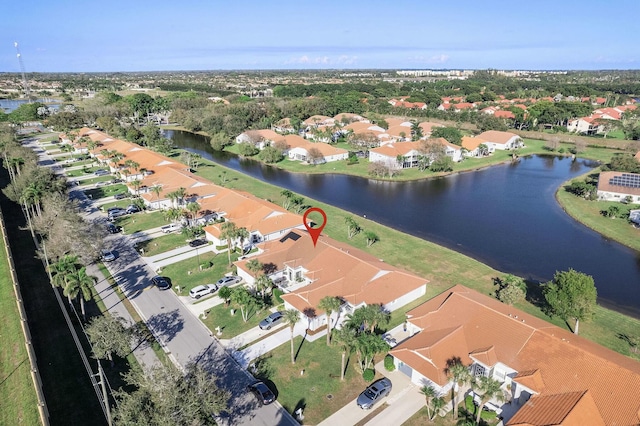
[103, 191]
[319, 389]
[187, 273]
[17, 392]
[233, 325]
[162, 244]
[137, 222]
[588, 213]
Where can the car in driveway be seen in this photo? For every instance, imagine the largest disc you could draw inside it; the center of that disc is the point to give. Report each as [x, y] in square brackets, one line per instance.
[113, 229]
[132, 209]
[262, 392]
[374, 393]
[108, 256]
[101, 172]
[202, 290]
[271, 321]
[198, 242]
[170, 228]
[116, 213]
[120, 196]
[227, 281]
[161, 282]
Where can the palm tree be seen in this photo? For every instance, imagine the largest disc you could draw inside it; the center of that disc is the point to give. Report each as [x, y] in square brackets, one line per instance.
[346, 337]
[229, 231]
[461, 377]
[180, 194]
[291, 318]
[254, 266]
[263, 283]
[437, 403]
[61, 269]
[329, 304]
[193, 209]
[79, 283]
[429, 393]
[486, 388]
[156, 190]
[136, 183]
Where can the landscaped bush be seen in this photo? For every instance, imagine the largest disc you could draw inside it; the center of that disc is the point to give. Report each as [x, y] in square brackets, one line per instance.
[368, 374]
[206, 265]
[388, 363]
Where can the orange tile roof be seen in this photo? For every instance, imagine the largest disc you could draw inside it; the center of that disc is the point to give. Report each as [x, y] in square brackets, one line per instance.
[566, 409]
[471, 143]
[396, 148]
[547, 356]
[337, 269]
[496, 136]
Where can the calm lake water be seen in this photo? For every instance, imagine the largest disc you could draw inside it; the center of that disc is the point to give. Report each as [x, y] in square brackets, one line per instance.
[8, 105]
[505, 216]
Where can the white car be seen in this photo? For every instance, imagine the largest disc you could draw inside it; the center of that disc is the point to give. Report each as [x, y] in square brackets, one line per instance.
[171, 227]
[202, 290]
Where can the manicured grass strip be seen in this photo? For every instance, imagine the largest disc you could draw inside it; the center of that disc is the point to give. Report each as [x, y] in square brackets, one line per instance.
[162, 244]
[17, 393]
[133, 223]
[187, 274]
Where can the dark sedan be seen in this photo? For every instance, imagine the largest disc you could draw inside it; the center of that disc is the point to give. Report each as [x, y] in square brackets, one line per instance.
[262, 392]
[197, 243]
[161, 282]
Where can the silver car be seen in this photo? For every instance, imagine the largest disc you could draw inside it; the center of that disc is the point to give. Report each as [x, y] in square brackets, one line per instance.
[375, 392]
[227, 281]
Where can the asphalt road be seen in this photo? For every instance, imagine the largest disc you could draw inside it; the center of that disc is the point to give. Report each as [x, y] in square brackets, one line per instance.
[183, 336]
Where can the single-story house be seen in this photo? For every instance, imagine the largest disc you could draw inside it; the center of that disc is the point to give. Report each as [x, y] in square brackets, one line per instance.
[260, 138]
[501, 140]
[543, 369]
[619, 186]
[586, 125]
[308, 272]
[472, 146]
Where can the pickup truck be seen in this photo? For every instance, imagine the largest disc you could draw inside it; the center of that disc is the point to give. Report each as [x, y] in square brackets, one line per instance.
[171, 227]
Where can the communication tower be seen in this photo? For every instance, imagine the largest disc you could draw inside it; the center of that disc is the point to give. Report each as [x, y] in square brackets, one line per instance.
[25, 83]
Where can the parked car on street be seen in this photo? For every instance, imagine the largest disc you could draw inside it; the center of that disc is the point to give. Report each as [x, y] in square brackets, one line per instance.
[227, 281]
[262, 392]
[108, 256]
[271, 321]
[198, 242]
[202, 290]
[161, 282]
[374, 393]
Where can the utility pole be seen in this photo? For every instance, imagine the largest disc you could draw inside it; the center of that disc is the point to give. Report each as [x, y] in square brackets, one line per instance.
[25, 83]
[105, 396]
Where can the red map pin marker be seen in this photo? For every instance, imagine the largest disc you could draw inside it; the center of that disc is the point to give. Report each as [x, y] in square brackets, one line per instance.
[314, 232]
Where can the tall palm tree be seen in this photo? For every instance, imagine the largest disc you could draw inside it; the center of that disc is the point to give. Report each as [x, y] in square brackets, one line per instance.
[254, 266]
[156, 190]
[193, 209]
[429, 393]
[136, 184]
[180, 194]
[346, 337]
[437, 403]
[242, 235]
[61, 269]
[329, 304]
[229, 232]
[291, 318]
[486, 388]
[79, 283]
[461, 377]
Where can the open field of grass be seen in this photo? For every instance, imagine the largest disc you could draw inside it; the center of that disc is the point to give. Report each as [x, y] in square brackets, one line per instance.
[187, 273]
[132, 223]
[17, 392]
[162, 244]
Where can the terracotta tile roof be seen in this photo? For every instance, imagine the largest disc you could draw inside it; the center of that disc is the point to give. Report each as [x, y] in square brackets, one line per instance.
[545, 355]
[471, 143]
[504, 114]
[395, 149]
[295, 141]
[397, 130]
[566, 409]
[496, 136]
[427, 127]
[337, 269]
[394, 121]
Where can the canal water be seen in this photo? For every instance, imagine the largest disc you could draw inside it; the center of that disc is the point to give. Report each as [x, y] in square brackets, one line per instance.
[505, 216]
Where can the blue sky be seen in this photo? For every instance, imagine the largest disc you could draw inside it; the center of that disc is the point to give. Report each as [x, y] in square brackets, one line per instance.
[142, 35]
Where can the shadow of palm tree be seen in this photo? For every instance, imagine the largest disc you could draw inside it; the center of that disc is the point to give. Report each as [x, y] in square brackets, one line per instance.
[167, 324]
